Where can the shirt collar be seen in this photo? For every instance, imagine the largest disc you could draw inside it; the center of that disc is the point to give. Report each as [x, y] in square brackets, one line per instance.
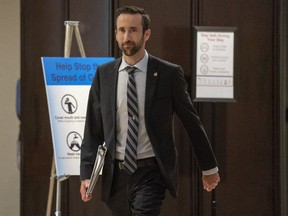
[141, 65]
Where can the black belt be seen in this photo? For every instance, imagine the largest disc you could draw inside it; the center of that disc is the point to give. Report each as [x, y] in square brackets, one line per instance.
[140, 163]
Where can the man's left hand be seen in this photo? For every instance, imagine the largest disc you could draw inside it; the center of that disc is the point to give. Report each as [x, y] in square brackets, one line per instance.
[210, 181]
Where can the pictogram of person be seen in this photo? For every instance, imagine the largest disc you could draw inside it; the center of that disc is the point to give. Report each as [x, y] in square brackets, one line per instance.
[69, 105]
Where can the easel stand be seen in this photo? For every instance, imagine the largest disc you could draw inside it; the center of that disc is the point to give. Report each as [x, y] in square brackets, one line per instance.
[70, 27]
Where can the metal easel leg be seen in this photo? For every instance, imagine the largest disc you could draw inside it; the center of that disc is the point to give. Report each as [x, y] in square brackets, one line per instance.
[58, 197]
[51, 188]
[79, 41]
[68, 38]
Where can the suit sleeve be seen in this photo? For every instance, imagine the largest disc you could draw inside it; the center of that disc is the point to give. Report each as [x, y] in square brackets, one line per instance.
[93, 132]
[183, 107]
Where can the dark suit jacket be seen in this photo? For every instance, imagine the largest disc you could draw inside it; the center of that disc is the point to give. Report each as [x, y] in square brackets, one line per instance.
[166, 93]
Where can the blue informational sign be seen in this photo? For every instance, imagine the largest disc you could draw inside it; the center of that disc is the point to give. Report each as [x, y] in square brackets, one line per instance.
[68, 82]
[71, 71]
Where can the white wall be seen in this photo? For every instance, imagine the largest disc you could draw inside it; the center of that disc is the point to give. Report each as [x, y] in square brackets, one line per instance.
[9, 124]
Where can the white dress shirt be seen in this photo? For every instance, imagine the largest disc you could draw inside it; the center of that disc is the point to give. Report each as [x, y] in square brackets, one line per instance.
[144, 148]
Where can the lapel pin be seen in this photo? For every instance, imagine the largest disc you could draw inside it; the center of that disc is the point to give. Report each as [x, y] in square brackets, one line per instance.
[155, 74]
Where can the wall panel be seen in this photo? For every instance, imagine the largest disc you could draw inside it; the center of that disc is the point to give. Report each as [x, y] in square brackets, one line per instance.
[39, 27]
[96, 32]
[245, 136]
[43, 32]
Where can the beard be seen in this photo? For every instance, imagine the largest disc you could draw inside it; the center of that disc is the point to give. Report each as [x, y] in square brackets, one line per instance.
[130, 48]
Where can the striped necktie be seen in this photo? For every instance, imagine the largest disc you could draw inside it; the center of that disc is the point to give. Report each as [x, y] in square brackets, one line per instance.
[130, 159]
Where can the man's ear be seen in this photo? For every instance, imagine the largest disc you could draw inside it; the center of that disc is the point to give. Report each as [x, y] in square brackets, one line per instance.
[147, 34]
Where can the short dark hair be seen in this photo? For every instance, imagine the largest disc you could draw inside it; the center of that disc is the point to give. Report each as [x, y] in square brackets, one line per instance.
[134, 10]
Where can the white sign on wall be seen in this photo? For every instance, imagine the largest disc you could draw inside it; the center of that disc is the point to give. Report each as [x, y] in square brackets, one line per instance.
[214, 64]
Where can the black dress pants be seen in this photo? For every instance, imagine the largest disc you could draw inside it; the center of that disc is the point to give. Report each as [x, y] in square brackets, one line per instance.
[139, 194]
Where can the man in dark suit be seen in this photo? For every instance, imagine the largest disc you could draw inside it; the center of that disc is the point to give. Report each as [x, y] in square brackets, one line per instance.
[134, 181]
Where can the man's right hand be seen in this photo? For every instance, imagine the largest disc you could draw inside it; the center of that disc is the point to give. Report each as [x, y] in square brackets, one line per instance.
[83, 188]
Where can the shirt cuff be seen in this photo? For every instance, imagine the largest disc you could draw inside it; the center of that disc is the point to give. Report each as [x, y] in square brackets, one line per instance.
[210, 171]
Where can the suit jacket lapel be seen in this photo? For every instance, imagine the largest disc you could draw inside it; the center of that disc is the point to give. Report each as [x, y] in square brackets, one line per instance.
[114, 91]
[151, 80]
[112, 77]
